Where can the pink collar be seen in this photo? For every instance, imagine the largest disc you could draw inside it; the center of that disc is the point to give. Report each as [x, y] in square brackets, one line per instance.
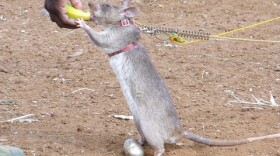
[125, 49]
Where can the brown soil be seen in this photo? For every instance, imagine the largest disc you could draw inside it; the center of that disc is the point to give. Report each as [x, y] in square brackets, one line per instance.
[39, 73]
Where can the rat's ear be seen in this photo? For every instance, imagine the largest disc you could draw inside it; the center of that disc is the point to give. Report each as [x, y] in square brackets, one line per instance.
[130, 12]
[125, 3]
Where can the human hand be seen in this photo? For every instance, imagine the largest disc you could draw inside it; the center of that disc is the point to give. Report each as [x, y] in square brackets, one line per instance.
[57, 11]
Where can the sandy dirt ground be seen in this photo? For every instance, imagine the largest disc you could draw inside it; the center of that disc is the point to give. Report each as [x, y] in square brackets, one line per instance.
[66, 82]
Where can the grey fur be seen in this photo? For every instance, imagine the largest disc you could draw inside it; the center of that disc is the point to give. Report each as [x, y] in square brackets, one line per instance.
[147, 96]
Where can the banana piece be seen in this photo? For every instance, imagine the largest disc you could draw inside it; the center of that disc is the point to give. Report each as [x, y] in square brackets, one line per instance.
[76, 13]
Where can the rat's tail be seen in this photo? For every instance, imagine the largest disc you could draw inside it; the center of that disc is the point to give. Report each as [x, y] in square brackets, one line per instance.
[215, 142]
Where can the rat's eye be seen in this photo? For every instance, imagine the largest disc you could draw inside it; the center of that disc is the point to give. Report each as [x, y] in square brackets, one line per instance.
[106, 7]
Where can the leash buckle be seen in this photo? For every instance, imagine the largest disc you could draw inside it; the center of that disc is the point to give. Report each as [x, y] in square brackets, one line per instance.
[125, 22]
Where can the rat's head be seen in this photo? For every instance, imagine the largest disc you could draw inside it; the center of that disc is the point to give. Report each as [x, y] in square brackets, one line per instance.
[105, 13]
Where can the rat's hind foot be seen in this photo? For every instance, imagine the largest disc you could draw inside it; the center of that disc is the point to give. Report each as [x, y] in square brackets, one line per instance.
[159, 152]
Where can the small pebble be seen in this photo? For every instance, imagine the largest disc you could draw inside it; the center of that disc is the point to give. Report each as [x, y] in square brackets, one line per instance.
[10, 151]
[45, 12]
[132, 148]
[7, 102]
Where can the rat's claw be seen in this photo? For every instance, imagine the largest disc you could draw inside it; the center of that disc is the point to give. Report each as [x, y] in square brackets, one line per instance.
[81, 23]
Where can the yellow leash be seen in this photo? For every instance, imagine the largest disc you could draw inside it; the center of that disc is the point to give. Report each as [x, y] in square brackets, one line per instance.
[239, 29]
[242, 39]
[247, 27]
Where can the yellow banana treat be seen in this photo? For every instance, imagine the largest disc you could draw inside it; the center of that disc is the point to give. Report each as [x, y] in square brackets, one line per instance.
[76, 13]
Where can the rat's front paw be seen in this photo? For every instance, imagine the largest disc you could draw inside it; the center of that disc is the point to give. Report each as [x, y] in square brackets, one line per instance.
[81, 24]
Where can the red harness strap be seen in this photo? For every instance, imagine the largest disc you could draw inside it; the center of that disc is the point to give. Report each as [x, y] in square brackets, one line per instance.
[125, 49]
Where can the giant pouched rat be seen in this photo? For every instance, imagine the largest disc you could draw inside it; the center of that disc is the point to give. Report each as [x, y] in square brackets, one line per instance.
[146, 94]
